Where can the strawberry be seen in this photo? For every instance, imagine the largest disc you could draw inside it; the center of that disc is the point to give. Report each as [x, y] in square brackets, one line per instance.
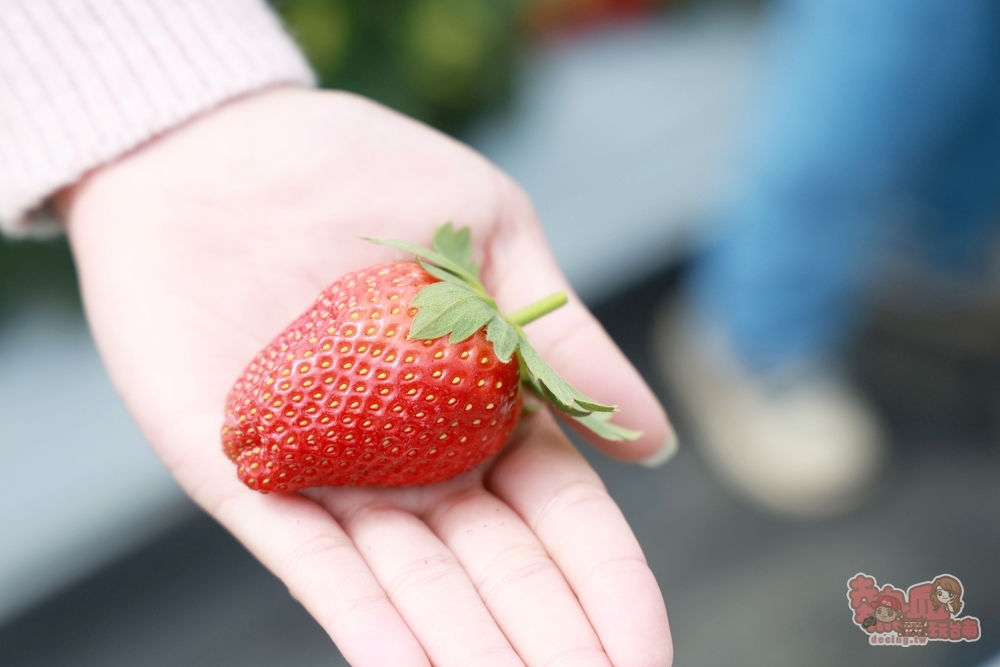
[398, 374]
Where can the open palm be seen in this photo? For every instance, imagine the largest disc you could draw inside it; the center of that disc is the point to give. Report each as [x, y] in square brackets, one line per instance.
[196, 250]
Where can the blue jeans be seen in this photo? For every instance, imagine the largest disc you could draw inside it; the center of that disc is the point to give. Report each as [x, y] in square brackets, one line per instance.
[878, 126]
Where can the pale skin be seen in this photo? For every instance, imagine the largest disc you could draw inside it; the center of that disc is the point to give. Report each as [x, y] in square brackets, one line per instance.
[198, 248]
[946, 598]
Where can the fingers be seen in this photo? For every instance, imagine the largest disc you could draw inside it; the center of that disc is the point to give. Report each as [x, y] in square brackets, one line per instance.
[563, 502]
[520, 585]
[302, 544]
[298, 541]
[520, 269]
[424, 581]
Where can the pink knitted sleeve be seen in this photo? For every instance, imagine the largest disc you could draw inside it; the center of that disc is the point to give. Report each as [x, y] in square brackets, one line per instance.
[84, 81]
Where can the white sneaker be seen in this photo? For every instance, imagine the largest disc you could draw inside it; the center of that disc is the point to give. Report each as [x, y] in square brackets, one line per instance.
[800, 444]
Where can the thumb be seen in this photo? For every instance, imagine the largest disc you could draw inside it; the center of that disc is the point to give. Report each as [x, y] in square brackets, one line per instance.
[519, 269]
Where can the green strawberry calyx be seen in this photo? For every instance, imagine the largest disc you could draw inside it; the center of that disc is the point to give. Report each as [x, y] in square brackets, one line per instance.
[459, 306]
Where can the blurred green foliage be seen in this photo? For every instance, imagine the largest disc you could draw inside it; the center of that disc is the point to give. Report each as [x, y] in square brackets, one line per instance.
[441, 61]
[34, 270]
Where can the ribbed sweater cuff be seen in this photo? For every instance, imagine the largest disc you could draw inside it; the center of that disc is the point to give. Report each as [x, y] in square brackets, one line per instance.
[84, 81]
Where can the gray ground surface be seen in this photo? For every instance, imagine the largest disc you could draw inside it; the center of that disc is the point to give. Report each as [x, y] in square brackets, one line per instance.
[742, 589]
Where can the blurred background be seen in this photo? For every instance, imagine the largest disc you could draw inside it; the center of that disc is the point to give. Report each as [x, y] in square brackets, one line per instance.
[638, 127]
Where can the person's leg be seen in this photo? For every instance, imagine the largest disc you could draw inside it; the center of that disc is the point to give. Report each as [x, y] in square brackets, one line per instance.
[961, 186]
[863, 93]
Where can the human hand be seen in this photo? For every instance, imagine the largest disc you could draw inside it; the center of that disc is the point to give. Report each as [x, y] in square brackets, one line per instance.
[197, 249]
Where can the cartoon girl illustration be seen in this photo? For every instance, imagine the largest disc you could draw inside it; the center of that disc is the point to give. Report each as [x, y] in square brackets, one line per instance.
[947, 591]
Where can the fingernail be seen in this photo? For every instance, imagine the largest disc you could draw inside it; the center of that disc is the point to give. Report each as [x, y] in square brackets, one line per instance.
[665, 453]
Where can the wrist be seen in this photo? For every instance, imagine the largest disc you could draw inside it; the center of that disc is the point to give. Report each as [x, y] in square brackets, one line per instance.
[62, 201]
[88, 88]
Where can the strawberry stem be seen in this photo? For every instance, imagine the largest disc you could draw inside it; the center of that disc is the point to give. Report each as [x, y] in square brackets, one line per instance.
[538, 309]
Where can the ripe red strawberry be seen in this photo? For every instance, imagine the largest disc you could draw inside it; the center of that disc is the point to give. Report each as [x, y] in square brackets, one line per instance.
[399, 374]
[343, 397]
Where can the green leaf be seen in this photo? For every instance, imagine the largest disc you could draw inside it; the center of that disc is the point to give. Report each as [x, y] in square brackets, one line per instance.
[503, 336]
[597, 422]
[429, 255]
[446, 308]
[543, 394]
[600, 423]
[559, 391]
[441, 295]
[442, 274]
[475, 314]
[569, 409]
[458, 306]
[456, 246]
[590, 404]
